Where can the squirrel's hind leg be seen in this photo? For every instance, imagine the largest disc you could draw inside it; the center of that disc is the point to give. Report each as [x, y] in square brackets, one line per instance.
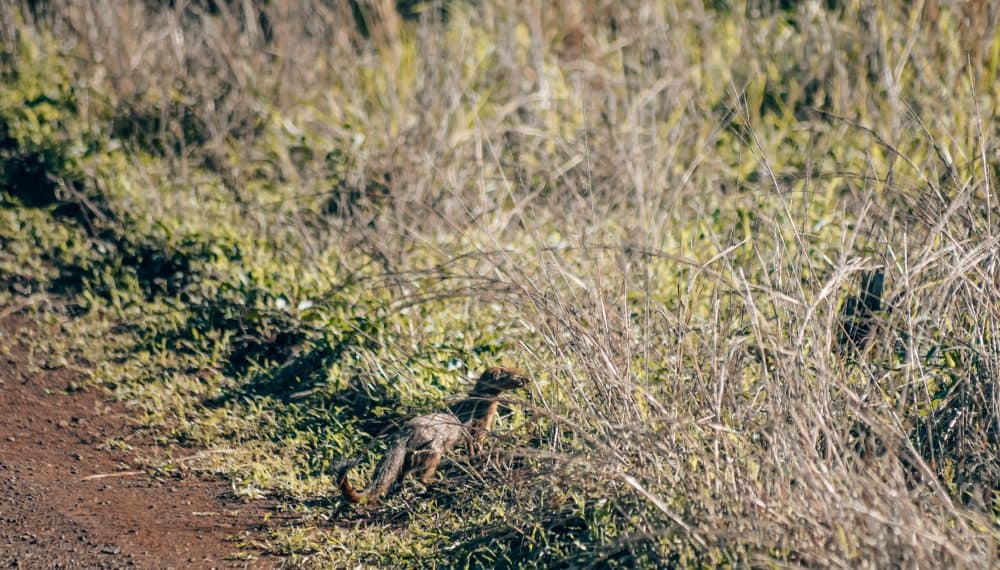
[429, 467]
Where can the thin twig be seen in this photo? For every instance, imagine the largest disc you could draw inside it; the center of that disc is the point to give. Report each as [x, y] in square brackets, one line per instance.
[117, 474]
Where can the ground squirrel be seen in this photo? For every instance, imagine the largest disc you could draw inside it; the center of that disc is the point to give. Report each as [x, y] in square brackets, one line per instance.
[422, 440]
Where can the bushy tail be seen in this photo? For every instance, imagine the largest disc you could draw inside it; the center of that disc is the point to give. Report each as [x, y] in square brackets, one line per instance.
[386, 473]
[345, 486]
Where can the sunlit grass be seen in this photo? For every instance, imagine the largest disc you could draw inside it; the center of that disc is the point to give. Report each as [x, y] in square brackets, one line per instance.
[276, 240]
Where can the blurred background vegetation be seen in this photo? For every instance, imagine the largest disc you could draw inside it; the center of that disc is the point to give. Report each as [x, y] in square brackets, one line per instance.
[747, 249]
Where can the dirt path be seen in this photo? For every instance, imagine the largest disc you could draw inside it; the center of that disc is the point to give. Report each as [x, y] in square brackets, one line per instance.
[55, 514]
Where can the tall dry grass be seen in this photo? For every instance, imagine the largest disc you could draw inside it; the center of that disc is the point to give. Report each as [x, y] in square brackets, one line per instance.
[670, 204]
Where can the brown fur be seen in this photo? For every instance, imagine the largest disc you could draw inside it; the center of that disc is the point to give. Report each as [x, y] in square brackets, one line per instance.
[423, 440]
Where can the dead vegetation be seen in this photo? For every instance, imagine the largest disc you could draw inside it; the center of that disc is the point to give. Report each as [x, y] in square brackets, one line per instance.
[748, 249]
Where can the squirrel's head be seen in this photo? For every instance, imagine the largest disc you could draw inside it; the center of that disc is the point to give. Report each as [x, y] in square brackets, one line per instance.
[497, 379]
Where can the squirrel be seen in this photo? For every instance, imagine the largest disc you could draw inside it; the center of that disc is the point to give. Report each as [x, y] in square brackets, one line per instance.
[423, 440]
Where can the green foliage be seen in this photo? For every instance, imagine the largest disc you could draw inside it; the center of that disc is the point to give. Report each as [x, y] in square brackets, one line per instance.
[277, 246]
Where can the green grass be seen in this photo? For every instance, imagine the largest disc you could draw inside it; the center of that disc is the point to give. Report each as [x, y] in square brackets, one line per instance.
[274, 238]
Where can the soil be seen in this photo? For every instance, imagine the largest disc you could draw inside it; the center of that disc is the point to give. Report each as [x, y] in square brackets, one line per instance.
[67, 500]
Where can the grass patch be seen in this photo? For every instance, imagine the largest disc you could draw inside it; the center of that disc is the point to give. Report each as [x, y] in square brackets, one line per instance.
[276, 237]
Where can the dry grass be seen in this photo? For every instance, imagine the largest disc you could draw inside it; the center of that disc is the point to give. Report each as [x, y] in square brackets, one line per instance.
[662, 208]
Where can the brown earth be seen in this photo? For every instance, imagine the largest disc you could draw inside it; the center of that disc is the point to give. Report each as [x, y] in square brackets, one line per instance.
[68, 501]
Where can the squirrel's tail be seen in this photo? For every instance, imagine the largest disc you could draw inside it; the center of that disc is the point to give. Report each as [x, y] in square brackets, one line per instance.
[345, 487]
[388, 470]
[386, 474]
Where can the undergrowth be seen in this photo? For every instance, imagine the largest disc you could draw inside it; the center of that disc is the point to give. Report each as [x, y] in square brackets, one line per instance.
[747, 252]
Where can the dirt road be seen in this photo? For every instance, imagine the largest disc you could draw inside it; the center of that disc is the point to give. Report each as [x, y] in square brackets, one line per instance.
[68, 500]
